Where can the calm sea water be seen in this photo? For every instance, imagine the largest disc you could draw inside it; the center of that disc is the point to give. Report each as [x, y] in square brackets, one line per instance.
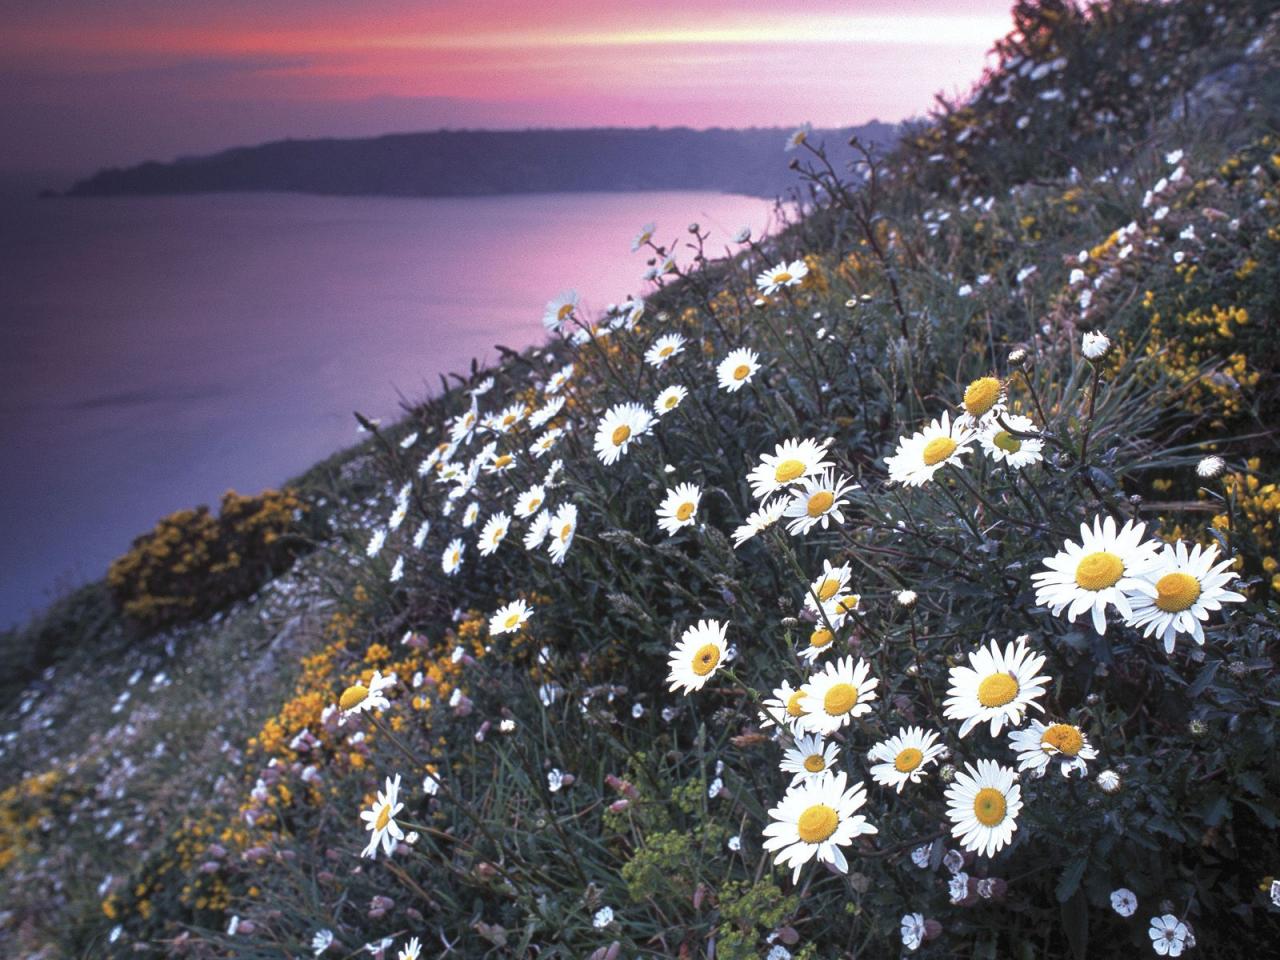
[155, 352]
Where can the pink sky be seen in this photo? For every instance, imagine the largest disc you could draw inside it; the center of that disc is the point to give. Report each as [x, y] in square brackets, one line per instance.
[85, 83]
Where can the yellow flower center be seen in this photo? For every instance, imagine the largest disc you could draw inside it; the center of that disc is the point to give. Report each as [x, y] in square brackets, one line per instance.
[782, 277]
[1097, 571]
[353, 696]
[503, 461]
[820, 503]
[534, 503]
[620, 435]
[741, 370]
[666, 351]
[817, 823]
[564, 311]
[498, 534]
[908, 760]
[840, 699]
[566, 531]
[788, 470]
[512, 620]
[997, 690]
[981, 395]
[1177, 591]
[384, 817]
[815, 763]
[1062, 737]
[828, 589]
[848, 604]
[989, 806]
[1007, 442]
[705, 660]
[938, 449]
[509, 419]
[671, 402]
[685, 511]
[793, 704]
[821, 637]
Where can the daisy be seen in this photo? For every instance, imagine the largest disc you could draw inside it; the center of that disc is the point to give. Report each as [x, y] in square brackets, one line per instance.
[697, 655]
[380, 818]
[999, 686]
[984, 802]
[827, 586]
[784, 709]
[563, 526]
[560, 379]
[451, 560]
[798, 136]
[841, 608]
[464, 425]
[1095, 345]
[1039, 743]
[820, 641]
[1003, 447]
[471, 515]
[904, 757]
[510, 618]
[1168, 935]
[508, 418]
[791, 461]
[376, 542]
[815, 819]
[669, 399]
[818, 502]
[981, 397]
[836, 695]
[530, 502]
[924, 453]
[545, 442]
[321, 941]
[679, 508]
[737, 368]
[810, 756]
[625, 423]
[538, 530]
[1187, 586]
[545, 412]
[663, 349]
[643, 237]
[500, 463]
[1105, 568]
[759, 521]
[412, 951]
[783, 275]
[560, 310]
[495, 530]
[360, 697]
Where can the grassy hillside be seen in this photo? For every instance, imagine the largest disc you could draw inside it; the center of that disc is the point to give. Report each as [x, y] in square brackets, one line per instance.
[869, 693]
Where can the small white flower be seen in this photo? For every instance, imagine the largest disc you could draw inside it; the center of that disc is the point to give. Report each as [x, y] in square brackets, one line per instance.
[912, 931]
[1095, 345]
[1124, 901]
[555, 780]
[321, 941]
[1168, 935]
[1210, 467]
[737, 369]
[603, 917]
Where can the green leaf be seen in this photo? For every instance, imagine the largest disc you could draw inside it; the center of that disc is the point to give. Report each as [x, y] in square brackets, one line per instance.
[1069, 881]
[1203, 679]
[1075, 921]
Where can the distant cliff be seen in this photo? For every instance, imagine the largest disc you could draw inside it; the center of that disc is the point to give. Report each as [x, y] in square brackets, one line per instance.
[474, 162]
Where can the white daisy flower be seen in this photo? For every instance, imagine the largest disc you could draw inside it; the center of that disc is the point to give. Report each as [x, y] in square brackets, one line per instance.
[508, 418]
[481, 388]
[924, 453]
[360, 697]
[837, 694]
[509, 618]
[762, 519]
[470, 515]
[814, 820]
[545, 442]
[904, 756]
[411, 951]
[397, 570]
[818, 502]
[464, 425]
[737, 368]
[1003, 447]
[451, 559]
[1124, 901]
[820, 640]
[1168, 935]
[531, 501]
[643, 237]
[500, 463]
[783, 275]
[495, 530]
[998, 686]
[376, 542]
[1039, 743]
[563, 526]
[1188, 586]
[791, 461]
[1105, 569]
[798, 136]
[560, 379]
[784, 709]
[560, 310]
[810, 756]
[697, 656]
[321, 941]
[380, 819]
[679, 508]
[827, 586]
[663, 349]
[538, 530]
[669, 399]
[1210, 466]
[983, 806]
[397, 516]
[618, 429]
[545, 412]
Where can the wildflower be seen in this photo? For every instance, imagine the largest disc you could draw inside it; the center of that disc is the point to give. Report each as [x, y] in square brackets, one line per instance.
[958, 888]
[998, 685]
[560, 310]
[815, 819]
[1039, 743]
[1210, 467]
[984, 803]
[644, 236]
[618, 428]
[603, 917]
[1124, 901]
[1001, 445]
[827, 586]
[560, 379]
[798, 136]
[451, 560]
[563, 526]
[397, 570]
[810, 756]
[500, 463]
[760, 520]
[360, 697]
[1108, 781]
[679, 508]
[545, 412]
[912, 930]
[697, 656]
[470, 515]
[906, 598]
[820, 641]
[555, 780]
[537, 531]
[1095, 345]
[1274, 892]
[791, 461]
[321, 941]
[1105, 568]
[927, 451]
[509, 618]
[380, 819]
[783, 275]
[669, 399]
[397, 516]
[663, 349]
[981, 397]
[840, 692]
[375, 542]
[904, 757]
[818, 502]
[508, 418]
[494, 532]
[530, 502]
[737, 368]
[545, 442]
[412, 951]
[784, 708]
[1169, 935]
[420, 535]
[1187, 586]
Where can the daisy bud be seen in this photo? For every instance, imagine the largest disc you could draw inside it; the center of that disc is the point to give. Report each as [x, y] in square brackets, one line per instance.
[907, 598]
[851, 303]
[1017, 357]
[1095, 345]
[1108, 781]
[1210, 467]
[1197, 727]
[947, 773]
[693, 227]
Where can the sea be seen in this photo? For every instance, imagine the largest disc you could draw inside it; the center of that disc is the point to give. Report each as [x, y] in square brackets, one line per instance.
[158, 351]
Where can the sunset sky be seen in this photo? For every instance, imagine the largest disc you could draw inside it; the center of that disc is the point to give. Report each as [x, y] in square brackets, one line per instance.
[85, 83]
